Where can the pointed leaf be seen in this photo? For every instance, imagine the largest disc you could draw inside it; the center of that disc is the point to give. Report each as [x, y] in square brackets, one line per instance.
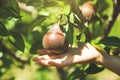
[111, 41]
[93, 68]
[35, 46]
[36, 22]
[3, 30]
[69, 34]
[9, 9]
[17, 41]
[4, 13]
[77, 73]
[42, 3]
[35, 3]
[115, 51]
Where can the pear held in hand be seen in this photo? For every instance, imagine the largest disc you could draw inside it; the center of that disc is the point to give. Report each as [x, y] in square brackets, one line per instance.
[54, 40]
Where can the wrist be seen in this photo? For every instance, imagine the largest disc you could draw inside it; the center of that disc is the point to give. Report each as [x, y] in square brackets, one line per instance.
[111, 62]
[101, 57]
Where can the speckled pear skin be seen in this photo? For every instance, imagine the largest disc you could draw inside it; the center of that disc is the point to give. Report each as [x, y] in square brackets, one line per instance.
[54, 40]
[88, 10]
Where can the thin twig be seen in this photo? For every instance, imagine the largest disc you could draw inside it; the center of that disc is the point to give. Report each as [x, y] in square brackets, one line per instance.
[75, 8]
[116, 11]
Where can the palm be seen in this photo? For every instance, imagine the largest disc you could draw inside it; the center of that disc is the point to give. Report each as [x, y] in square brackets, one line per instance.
[83, 54]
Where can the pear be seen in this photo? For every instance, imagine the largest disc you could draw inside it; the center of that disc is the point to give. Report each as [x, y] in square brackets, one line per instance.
[88, 10]
[54, 40]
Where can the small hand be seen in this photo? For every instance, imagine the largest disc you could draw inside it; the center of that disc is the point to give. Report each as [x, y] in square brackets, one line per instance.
[85, 53]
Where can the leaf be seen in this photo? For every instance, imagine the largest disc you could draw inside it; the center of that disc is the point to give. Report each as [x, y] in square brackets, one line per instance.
[17, 41]
[77, 74]
[76, 20]
[93, 68]
[14, 13]
[36, 22]
[9, 9]
[42, 3]
[14, 5]
[35, 46]
[80, 25]
[111, 41]
[98, 29]
[3, 30]
[115, 51]
[35, 3]
[69, 34]
[4, 13]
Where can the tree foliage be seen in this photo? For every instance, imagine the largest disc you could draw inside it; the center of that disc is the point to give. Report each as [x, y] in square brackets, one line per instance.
[23, 24]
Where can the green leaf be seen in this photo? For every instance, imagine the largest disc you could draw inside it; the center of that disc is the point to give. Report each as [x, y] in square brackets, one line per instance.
[35, 46]
[35, 3]
[3, 30]
[115, 51]
[77, 74]
[14, 5]
[98, 29]
[9, 9]
[42, 3]
[93, 68]
[8, 13]
[69, 34]
[17, 41]
[36, 22]
[4, 13]
[76, 20]
[14, 13]
[111, 41]
[80, 25]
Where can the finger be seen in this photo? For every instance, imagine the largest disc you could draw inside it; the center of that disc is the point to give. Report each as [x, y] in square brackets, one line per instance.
[43, 62]
[58, 56]
[55, 63]
[44, 57]
[81, 44]
[42, 51]
[59, 63]
[37, 58]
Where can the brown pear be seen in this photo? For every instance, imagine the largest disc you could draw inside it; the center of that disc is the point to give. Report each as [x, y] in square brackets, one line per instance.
[88, 10]
[54, 40]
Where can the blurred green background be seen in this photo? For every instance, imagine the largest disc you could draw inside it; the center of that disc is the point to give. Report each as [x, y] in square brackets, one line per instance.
[23, 24]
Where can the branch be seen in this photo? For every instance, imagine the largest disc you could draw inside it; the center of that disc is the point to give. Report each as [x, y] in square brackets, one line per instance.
[116, 11]
[75, 9]
[4, 49]
[62, 73]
